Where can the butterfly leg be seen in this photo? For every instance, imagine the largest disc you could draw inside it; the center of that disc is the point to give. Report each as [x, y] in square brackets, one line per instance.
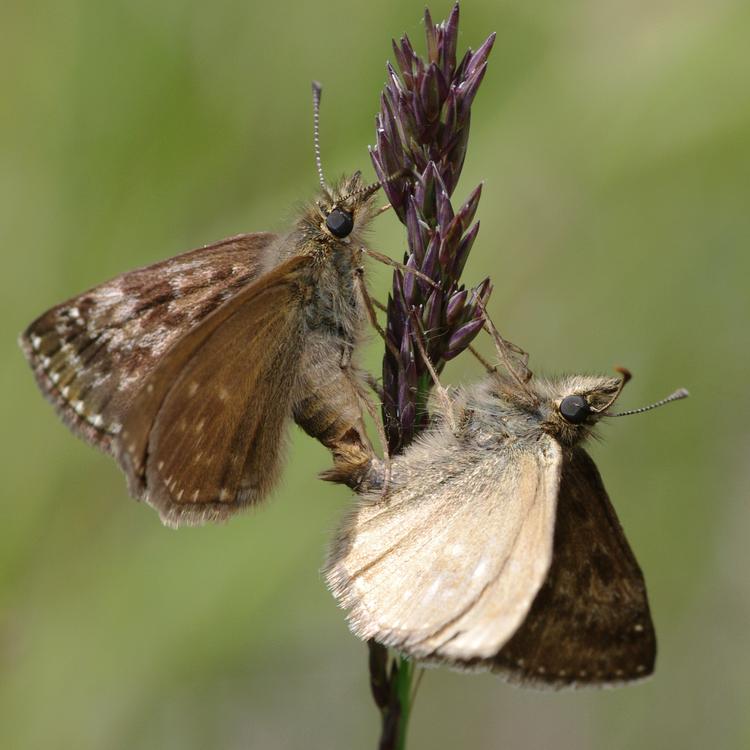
[513, 357]
[370, 307]
[359, 276]
[442, 394]
[381, 258]
[372, 381]
[487, 366]
[379, 305]
[383, 442]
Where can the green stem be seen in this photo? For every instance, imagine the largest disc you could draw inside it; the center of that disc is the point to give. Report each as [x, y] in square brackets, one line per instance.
[404, 693]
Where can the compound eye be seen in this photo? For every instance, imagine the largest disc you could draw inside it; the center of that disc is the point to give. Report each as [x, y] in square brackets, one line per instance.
[575, 409]
[339, 222]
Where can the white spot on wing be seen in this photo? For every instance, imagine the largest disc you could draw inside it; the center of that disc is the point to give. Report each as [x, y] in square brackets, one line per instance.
[480, 569]
[434, 588]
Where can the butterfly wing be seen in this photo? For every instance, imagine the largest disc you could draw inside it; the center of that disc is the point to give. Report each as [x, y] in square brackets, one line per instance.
[590, 622]
[91, 354]
[204, 435]
[446, 567]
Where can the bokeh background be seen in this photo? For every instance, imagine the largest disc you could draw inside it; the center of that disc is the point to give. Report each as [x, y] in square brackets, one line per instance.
[614, 141]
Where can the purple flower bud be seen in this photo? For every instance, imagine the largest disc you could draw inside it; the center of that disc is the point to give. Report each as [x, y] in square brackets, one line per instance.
[467, 211]
[410, 283]
[444, 208]
[461, 338]
[433, 312]
[484, 290]
[460, 72]
[450, 118]
[469, 89]
[430, 263]
[433, 51]
[450, 39]
[473, 311]
[464, 248]
[430, 94]
[414, 232]
[455, 306]
[449, 244]
[479, 58]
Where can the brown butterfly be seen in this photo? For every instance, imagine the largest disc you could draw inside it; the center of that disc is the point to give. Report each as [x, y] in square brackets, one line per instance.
[188, 370]
[495, 546]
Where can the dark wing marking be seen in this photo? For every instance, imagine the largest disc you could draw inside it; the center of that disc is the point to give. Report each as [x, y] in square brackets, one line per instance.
[91, 353]
[203, 438]
[590, 622]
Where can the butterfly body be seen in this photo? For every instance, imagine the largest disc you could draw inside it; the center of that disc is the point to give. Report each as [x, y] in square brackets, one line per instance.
[495, 546]
[188, 370]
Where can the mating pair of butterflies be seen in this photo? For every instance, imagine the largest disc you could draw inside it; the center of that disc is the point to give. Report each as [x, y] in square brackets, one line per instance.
[492, 544]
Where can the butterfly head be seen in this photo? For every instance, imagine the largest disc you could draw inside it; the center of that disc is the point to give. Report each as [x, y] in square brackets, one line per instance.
[570, 407]
[345, 209]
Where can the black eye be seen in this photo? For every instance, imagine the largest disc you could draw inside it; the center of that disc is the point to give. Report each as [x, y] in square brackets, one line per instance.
[339, 222]
[575, 409]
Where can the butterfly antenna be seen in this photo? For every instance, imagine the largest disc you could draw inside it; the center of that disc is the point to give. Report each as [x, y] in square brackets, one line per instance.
[373, 187]
[676, 396]
[317, 90]
[626, 376]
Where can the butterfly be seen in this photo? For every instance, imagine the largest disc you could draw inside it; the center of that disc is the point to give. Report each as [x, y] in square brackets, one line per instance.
[187, 371]
[494, 545]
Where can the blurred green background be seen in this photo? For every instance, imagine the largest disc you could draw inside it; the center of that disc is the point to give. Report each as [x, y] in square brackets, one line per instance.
[614, 140]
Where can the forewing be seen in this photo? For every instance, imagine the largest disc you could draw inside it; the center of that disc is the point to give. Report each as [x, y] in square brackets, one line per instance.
[91, 354]
[447, 565]
[204, 436]
[590, 622]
